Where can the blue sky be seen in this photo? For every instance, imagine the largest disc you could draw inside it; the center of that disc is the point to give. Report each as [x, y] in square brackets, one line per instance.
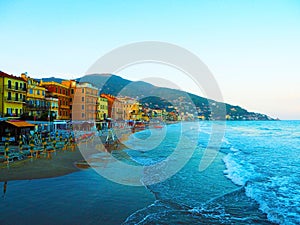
[251, 47]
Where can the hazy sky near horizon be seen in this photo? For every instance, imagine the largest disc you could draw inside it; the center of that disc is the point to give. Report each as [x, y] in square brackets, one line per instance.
[251, 47]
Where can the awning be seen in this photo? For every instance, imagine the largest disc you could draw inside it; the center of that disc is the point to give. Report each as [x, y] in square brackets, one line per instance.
[20, 124]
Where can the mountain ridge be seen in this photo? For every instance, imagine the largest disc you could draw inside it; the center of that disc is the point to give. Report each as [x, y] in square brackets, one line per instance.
[147, 94]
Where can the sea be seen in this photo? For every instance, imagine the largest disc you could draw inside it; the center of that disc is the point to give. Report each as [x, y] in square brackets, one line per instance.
[177, 174]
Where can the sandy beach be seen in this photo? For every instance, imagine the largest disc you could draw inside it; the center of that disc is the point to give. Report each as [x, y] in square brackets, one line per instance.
[61, 163]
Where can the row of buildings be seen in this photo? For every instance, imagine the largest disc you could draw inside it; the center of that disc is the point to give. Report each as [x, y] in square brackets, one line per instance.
[27, 98]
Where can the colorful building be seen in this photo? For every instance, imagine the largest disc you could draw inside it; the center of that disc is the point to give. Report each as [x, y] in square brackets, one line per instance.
[115, 107]
[36, 105]
[52, 104]
[110, 102]
[13, 95]
[117, 110]
[71, 84]
[62, 93]
[84, 104]
[102, 109]
[127, 104]
[137, 113]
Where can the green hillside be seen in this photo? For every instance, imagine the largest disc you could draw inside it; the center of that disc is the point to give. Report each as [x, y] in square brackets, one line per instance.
[159, 97]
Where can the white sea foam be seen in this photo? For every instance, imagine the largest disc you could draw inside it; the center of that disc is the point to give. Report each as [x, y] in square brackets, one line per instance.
[279, 198]
[234, 170]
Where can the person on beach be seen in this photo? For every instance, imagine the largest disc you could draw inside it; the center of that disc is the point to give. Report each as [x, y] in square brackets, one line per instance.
[4, 188]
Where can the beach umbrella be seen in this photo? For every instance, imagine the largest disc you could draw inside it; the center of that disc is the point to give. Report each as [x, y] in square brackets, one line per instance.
[20, 143]
[31, 146]
[44, 143]
[6, 148]
[56, 135]
[54, 143]
[71, 142]
[65, 143]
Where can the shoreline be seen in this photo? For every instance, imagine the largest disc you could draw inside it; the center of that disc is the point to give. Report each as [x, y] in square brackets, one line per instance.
[63, 162]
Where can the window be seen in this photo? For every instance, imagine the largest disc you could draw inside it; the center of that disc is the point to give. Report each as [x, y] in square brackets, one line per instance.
[9, 83]
[9, 95]
[16, 110]
[30, 91]
[38, 92]
[82, 99]
[72, 91]
[8, 111]
[82, 106]
[16, 85]
[56, 90]
[21, 111]
[24, 88]
[82, 115]
[43, 93]
[21, 85]
[82, 90]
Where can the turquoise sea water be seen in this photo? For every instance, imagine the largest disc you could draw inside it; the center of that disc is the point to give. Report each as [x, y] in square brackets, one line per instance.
[254, 179]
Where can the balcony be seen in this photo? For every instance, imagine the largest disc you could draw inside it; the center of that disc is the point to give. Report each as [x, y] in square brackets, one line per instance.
[15, 100]
[32, 107]
[64, 106]
[15, 88]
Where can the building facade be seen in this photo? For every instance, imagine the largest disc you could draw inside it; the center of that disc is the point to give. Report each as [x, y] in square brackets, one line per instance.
[117, 111]
[52, 104]
[36, 106]
[84, 104]
[102, 109]
[137, 113]
[62, 93]
[13, 95]
[71, 84]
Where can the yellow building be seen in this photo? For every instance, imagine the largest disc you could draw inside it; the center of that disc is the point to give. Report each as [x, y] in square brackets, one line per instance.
[13, 95]
[137, 113]
[102, 109]
[157, 113]
[36, 103]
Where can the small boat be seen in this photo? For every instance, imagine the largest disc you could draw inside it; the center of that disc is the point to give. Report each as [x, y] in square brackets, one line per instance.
[158, 126]
[140, 125]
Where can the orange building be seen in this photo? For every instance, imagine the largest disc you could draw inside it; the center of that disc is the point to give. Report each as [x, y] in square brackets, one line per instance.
[62, 93]
[71, 84]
